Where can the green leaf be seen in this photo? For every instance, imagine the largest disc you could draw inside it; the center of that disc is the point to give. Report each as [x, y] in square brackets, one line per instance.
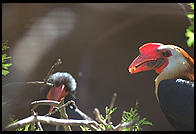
[84, 128]
[190, 36]
[191, 5]
[190, 42]
[113, 110]
[191, 16]
[5, 66]
[189, 33]
[147, 123]
[5, 57]
[4, 45]
[4, 72]
[27, 127]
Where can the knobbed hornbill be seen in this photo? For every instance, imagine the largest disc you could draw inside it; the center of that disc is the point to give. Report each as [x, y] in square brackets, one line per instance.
[174, 86]
[64, 85]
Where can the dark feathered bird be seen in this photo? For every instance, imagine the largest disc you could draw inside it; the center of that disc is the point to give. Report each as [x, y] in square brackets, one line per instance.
[64, 86]
[174, 86]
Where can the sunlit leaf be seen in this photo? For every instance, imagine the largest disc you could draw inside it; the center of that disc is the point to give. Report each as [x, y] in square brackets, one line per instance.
[191, 15]
[191, 5]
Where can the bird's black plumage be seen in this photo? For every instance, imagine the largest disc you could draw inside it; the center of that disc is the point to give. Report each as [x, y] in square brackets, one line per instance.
[176, 97]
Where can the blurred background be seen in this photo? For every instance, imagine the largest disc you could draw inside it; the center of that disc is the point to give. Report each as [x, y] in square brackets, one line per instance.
[96, 43]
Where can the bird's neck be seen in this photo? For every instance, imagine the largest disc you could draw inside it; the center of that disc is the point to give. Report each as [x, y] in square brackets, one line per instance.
[184, 71]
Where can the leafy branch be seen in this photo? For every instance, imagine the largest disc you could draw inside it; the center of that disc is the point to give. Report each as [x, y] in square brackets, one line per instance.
[190, 30]
[5, 64]
[130, 120]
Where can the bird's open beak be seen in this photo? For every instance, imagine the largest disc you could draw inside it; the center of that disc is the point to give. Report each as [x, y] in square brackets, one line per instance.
[145, 62]
[56, 93]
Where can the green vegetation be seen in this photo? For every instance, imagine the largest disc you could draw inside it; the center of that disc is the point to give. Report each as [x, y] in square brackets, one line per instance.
[131, 117]
[5, 64]
[190, 30]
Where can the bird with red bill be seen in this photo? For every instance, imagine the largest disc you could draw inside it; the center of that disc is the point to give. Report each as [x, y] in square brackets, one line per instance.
[174, 86]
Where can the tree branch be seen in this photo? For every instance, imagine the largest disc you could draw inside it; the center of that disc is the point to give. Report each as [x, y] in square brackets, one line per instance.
[111, 106]
[64, 114]
[50, 120]
[35, 104]
[27, 83]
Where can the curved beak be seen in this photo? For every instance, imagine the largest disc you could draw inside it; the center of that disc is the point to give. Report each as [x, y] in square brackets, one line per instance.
[56, 93]
[145, 62]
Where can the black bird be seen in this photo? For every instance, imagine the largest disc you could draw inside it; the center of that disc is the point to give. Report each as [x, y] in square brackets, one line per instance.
[174, 86]
[64, 86]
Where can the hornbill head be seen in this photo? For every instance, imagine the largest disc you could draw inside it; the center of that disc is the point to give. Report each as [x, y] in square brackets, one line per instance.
[168, 61]
[64, 85]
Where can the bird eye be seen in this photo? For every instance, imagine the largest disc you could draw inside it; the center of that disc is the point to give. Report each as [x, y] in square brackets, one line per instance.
[166, 53]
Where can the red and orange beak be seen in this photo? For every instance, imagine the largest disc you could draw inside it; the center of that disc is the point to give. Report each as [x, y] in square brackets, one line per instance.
[56, 93]
[145, 62]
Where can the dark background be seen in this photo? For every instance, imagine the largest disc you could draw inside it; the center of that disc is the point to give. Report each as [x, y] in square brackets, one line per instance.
[96, 43]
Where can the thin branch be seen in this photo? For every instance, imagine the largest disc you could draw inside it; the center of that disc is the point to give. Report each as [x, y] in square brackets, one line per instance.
[98, 117]
[27, 83]
[120, 126]
[35, 104]
[127, 124]
[84, 116]
[60, 107]
[64, 115]
[50, 120]
[39, 126]
[136, 105]
[52, 69]
[111, 106]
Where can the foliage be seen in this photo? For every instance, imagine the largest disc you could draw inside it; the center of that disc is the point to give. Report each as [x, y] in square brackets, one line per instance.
[84, 128]
[108, 113]
[133, 117]
[190, 30]
[5, 65]
[130, 116]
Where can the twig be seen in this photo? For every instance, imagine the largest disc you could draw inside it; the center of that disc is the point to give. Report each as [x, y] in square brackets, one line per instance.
[33, 123]
[27, 83]
[64, 115]
[39, 126]
[52, 70]
[35, 104]
[60, 107]
[120, 126]
[98, 117]
[50, 120]
[111, 106]
[136, 105]
[84, 116]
